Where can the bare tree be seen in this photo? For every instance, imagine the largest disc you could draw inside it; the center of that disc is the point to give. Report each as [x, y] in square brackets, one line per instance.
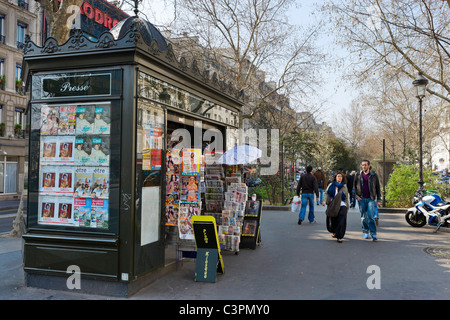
[58, 15]
[243, 38]
[402, 36]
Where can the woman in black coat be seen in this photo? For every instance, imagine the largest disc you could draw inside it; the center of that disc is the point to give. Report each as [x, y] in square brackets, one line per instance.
[338, 224]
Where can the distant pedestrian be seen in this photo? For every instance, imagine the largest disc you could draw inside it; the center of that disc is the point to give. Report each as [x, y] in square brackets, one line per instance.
[338, 223]
[350, 183]
[306, 187]
[368, 195]
[344, 177]
[321, 183]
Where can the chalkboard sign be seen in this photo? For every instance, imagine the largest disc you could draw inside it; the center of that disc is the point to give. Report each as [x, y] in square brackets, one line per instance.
[209, 260]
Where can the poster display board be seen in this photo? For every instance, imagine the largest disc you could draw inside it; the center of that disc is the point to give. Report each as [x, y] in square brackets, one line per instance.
[74, 165]
[209, 259]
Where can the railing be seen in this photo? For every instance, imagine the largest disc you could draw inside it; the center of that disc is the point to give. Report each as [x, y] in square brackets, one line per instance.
[2, 39]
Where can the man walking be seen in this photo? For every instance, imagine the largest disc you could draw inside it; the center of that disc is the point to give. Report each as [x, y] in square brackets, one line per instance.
[321, 183]
[350, 184]
[368, 195]
[306, 187]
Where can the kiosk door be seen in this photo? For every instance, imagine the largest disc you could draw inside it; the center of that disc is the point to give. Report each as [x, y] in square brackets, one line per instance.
[150, 128]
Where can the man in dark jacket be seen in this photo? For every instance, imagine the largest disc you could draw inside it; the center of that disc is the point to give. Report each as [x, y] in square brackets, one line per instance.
[368, 195]
[306, 187]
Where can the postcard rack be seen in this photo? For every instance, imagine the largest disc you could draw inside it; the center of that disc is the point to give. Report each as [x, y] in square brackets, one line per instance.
[251, 233]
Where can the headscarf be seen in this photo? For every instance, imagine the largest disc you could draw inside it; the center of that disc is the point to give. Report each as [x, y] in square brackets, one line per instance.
[332, 189]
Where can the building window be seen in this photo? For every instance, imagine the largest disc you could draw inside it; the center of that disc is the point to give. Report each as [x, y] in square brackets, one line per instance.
[2, 74]
[8, 174]
[21, 32]
[18, 117]
[23, 4]
[2, 31]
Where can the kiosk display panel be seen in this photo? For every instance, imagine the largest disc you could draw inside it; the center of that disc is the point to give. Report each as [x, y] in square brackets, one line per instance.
[72, 145]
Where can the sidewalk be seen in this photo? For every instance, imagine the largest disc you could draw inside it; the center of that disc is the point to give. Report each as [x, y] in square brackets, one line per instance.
[293, 263]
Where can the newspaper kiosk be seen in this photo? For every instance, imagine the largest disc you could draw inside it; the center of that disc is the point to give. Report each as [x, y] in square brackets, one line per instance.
[99, 114]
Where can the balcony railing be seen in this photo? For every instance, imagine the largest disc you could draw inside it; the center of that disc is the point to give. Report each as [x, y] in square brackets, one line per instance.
[2, 39]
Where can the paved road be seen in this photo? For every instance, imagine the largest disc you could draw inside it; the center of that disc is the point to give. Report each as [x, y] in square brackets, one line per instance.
[294, 262]
[304, 262]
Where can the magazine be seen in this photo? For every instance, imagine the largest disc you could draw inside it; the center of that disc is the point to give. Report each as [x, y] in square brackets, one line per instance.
[252, 208]
[191, 161]
[85, 119]
[249, 228]
[65, 206]
[173, 161]
[99, 213]
[172, 211]
[100, 184]
[65, 152]
[83, 182]
[67, 120]
[187, 210]
[65, 181]
[47, 208]
[83, 148]
[48, 149]
[99, 155]
[102, 119]
[47, 183]
[82, 212]
[190, 190]
[49, 120]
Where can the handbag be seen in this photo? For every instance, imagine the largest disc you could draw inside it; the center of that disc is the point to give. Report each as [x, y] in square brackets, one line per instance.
[334, 206]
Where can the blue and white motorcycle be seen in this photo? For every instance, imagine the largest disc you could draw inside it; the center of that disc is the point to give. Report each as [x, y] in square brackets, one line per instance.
[432, 210]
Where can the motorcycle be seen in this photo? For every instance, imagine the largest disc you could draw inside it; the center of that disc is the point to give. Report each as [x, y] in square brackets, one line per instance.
[432, 210]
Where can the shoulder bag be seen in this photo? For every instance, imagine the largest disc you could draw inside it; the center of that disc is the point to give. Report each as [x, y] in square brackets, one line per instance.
[334, 206]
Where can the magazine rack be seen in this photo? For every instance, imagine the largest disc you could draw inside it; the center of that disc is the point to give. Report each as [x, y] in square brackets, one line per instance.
[251, 233]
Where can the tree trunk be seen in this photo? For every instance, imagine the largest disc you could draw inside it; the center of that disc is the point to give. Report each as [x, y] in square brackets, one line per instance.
[60, 17]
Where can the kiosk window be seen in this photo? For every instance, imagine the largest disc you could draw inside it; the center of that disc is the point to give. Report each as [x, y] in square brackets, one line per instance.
[149, 148]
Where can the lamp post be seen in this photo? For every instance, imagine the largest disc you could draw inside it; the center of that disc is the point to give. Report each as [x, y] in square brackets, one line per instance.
[421, 87]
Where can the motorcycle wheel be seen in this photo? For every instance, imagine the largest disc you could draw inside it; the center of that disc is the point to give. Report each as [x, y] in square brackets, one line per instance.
[417, 220]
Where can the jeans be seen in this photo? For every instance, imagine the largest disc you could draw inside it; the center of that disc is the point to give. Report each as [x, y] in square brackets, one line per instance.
[307, 197]
[367, 209]
[321, 196]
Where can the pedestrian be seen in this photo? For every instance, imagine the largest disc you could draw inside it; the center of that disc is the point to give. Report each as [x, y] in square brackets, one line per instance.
[338, 223]
[350, 183]
[321, 183]
[368, 195]
[306, 187]
[341, 170]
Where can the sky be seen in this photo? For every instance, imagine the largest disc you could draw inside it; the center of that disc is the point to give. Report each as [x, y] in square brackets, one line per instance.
[337, 97]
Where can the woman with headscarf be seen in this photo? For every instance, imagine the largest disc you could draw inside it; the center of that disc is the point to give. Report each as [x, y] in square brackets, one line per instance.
[338, 223]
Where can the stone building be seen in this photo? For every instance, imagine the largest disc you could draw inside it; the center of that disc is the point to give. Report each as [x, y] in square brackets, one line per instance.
[18, 18]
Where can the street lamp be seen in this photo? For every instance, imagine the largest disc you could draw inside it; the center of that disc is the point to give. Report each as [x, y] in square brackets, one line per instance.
[421, 87]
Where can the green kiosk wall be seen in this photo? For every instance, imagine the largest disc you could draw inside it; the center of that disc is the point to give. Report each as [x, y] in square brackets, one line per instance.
[93, 201]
